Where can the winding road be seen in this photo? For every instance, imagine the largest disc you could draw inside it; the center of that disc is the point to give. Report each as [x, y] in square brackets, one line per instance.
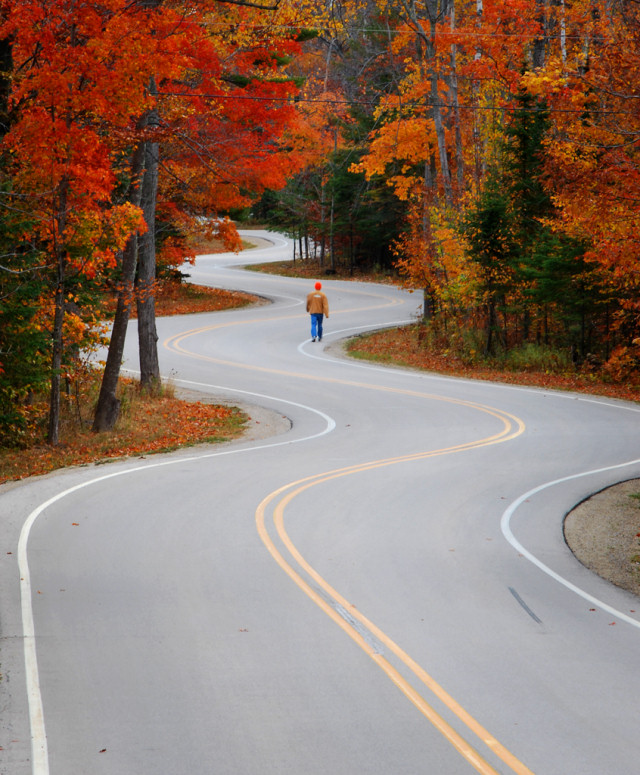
[382, 589]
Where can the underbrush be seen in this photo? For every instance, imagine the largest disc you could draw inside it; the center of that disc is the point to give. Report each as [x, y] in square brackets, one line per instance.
[147, 423]
[461, 355]
[313, 270]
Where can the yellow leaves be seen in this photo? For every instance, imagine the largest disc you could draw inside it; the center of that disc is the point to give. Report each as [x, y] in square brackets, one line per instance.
[547, 80]
[405, 187]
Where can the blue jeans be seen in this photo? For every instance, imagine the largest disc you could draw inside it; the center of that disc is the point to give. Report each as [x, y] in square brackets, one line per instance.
[316, 324]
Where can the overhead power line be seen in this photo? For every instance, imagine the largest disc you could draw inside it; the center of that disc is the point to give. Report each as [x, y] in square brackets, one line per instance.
[473, 34]
[409, 103]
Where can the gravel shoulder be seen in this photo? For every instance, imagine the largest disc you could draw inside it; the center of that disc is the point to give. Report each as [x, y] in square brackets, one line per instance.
[604, 534]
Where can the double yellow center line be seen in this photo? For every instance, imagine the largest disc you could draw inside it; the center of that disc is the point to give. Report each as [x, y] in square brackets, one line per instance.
[354, 621]
[357, 626]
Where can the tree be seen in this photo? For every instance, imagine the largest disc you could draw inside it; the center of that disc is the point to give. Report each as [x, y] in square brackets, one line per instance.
[83, 90]
[488, 229]
[24, 342]
[74, 87]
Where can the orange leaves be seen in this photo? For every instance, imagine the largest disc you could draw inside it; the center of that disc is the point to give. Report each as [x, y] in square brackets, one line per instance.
[225, 230]
[176, 299]
[74, 89]
[594, 155]
[81, 82]
[410, 140]
[47, 150]
[167, 423]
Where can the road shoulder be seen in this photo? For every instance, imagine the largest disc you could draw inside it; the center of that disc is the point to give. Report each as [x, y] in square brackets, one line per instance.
[604, 534]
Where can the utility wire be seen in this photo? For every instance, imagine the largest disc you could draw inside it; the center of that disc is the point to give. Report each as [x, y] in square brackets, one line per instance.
[371, 103]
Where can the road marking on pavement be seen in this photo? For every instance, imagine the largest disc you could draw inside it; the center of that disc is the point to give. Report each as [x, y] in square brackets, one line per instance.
[175, 342]
[335, 606]
[505, 525]
[499, 414]
[512, 427]
[39, 744]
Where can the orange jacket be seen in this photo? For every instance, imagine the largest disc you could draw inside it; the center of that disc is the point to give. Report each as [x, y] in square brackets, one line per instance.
[317, 302]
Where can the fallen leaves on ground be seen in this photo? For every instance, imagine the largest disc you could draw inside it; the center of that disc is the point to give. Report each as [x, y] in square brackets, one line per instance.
[402, 347]
[150, 424]
[175, 298]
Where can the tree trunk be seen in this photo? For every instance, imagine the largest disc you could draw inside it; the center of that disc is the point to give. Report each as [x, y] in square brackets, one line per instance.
[478, 151]
[427, 305]
[491, 324]
[145, 297]
[108, 407]
[456, 107]
[540, 44]
[430, 55]
[53, 433]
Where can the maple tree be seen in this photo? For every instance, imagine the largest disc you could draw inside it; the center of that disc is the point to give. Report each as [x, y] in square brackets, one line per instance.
[97, 91]
[489, 147]
[455, 133]
[73, 88]
[594, 158]
[218, 128]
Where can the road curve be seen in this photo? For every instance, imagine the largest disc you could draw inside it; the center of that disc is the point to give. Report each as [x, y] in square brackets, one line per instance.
[384, 588]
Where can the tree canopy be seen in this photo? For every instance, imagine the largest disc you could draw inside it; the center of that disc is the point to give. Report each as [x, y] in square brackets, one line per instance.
[487, 150]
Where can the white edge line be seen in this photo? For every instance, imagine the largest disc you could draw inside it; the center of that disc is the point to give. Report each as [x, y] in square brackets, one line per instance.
[39, 748]
[333, 334]
[506, 517]
[588, 398]
[505, 525]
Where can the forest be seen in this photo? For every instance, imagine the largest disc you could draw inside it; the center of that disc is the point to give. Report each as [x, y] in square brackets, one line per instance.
[482, 152]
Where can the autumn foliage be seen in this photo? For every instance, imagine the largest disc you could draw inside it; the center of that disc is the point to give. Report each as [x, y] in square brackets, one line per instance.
[487, 150]
[506, 135]
[127, 127]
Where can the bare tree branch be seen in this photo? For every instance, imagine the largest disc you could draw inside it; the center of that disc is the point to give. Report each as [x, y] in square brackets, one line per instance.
[22, 271]
[273, 7]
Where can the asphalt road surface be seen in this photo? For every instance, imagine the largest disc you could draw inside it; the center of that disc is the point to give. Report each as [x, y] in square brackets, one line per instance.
[383, 589]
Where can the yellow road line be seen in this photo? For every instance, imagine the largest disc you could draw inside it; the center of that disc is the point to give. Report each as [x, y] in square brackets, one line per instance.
[286, 494]
[172, 343]
[512, 427]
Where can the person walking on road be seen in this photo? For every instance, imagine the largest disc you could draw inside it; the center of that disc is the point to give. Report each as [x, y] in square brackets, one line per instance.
[317, 307]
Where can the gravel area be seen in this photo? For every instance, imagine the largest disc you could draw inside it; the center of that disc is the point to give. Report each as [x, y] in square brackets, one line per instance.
[604, 534]
[262, 424]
